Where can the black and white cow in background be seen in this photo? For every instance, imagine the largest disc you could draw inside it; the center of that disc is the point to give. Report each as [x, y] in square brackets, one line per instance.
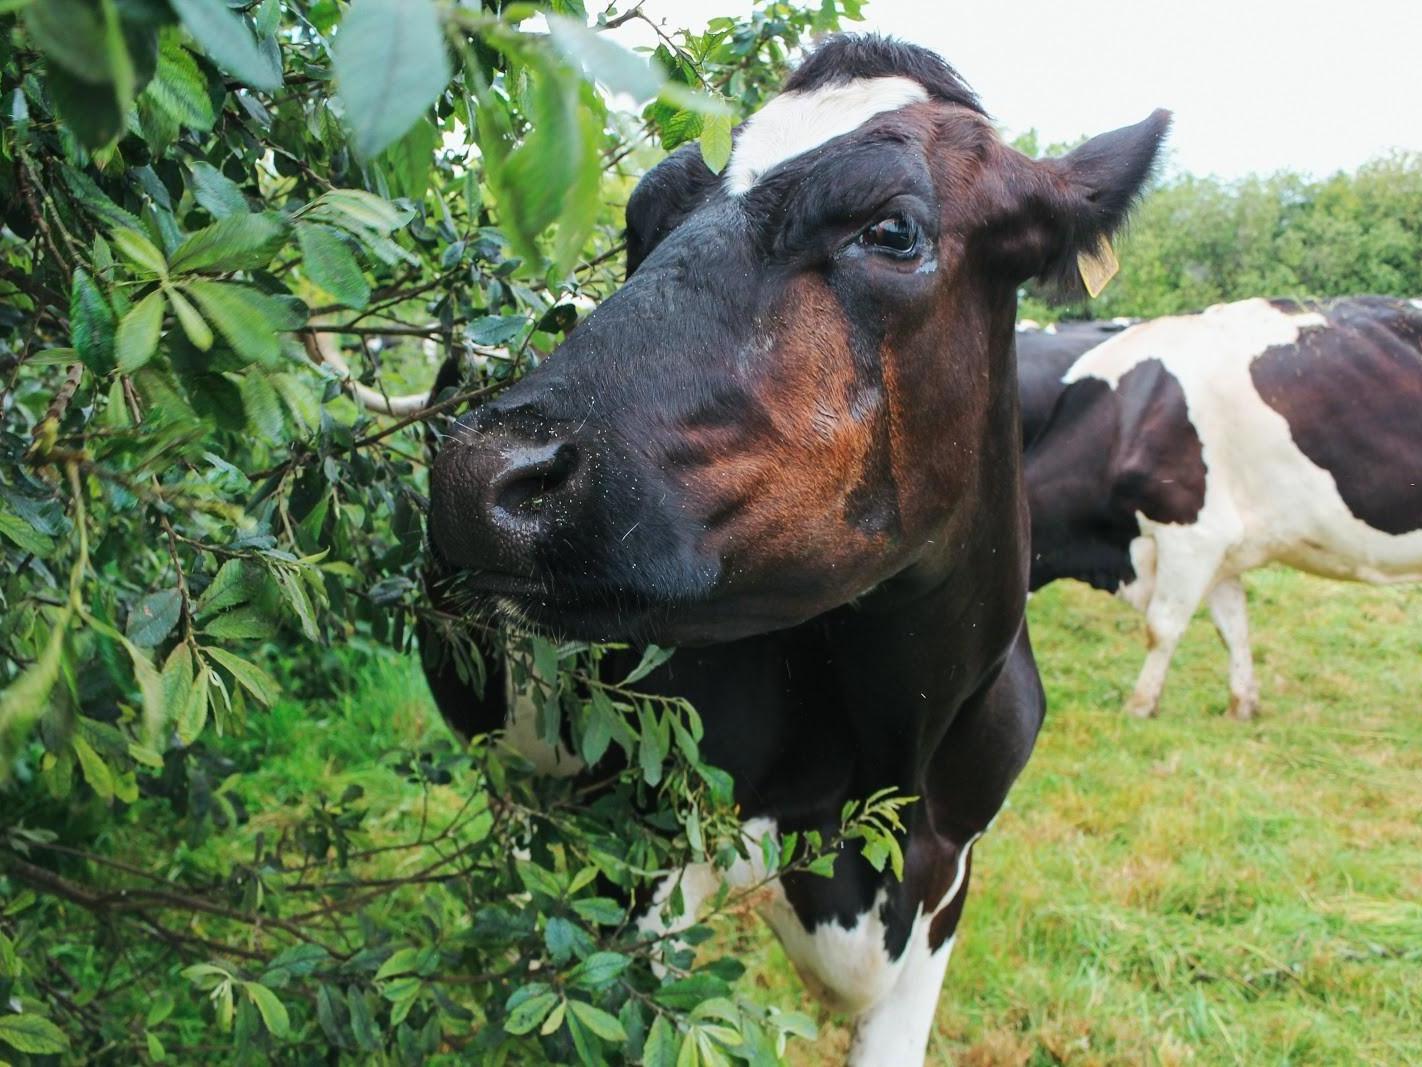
[790, 444]
[1188, 450]
[1044, 355]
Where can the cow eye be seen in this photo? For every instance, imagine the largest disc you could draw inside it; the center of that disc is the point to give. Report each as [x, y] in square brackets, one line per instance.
[893, 235]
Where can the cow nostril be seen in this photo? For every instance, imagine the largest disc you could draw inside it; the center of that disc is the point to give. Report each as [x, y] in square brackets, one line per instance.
[533, 479]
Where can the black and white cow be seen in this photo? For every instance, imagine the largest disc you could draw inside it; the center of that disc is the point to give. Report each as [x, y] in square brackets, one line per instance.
[1188, 450]
[790, 445]
[1044, 355]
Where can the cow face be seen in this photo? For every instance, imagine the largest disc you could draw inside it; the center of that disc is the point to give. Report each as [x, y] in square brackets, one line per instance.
[804, 388]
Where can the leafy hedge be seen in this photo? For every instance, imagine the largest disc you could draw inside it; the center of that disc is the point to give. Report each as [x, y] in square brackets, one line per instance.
[213, 212]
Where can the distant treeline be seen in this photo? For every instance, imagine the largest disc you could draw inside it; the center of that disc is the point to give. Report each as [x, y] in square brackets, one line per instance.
[1199, 241]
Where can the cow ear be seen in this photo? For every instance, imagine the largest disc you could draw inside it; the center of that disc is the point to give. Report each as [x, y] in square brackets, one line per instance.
[665, 196]
[1072, 203]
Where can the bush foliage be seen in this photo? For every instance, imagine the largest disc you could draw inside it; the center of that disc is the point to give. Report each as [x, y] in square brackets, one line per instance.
[206, 205]
[222, 221]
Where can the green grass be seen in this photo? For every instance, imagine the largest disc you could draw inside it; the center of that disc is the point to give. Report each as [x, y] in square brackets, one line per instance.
[1191, 889]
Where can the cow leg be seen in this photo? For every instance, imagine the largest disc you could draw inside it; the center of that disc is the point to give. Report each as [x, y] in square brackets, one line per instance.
[1184, 573]
[1229, 610]
[1138, 591]
[895, 1030]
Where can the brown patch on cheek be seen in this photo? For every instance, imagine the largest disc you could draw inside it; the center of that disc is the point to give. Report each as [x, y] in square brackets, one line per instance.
[936, 381]
[782, 485]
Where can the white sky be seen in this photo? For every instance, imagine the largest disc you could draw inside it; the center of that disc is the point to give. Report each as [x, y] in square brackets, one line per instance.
[1256, 85]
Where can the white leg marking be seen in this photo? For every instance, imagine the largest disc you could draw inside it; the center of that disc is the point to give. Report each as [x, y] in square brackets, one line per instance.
[895, 1032]
[895, 1029]
[1186, 564]
[795, 123]
[1229, 609]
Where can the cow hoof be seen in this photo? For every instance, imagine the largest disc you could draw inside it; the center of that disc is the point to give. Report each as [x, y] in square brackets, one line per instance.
[1141, 708]
[1242, 709]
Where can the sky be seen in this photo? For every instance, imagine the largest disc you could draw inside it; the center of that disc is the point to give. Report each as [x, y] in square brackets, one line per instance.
[1256, 85]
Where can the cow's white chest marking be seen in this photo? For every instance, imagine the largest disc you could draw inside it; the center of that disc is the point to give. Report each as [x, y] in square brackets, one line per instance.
[892, 999]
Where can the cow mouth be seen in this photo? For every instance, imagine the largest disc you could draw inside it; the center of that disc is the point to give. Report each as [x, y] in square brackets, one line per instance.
[577, 610]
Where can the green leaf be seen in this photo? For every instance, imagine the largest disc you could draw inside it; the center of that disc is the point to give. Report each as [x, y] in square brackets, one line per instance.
[89, 111]
[602, 58]
[238, 242]
[121, 69]
[604, 1024]
[496, 329]
[97, 202]
[362, 209]
[178, 87]
[71, 33]
[534, 180]
[248, 319]
[193, 324]
[599, 969]
[235, 582]
[226, 38]
[177, 684]
[96, 772]
[362, 1023]
[245, 623]
[390, 65]
[661, 1046]
[652, 658]
[412, 157]
[561, 937]
[24, 700]
[401, 961]
[685, 993]
[216, 192]
[273, 1011]
[554, 1020]
[153, 617]
[716, 141]
[91, 324]
[604, 911]
[32, 1034]
[332, 266]
[138, 332]
[23, 534]
[140, 251]
[528, 1014]
[251, 677]
[262, 405]
[300, 603]
[597, 734]
[193, 715]
[584, 198]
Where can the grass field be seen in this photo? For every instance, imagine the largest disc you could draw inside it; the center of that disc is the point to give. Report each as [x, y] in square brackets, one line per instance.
[1183, 890]
[1191, 889]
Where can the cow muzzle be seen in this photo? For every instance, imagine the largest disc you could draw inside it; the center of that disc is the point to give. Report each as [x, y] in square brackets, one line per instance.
[498, 500]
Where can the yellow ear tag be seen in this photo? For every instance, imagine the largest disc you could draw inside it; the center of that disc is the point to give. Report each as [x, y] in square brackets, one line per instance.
[1098, 267]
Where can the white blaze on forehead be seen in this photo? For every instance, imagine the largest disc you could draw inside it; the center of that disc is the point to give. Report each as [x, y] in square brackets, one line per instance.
[795, 123]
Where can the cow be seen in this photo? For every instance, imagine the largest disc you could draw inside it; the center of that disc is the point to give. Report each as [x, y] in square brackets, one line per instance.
[1044, 355]
[1191, 449]
[789, 445]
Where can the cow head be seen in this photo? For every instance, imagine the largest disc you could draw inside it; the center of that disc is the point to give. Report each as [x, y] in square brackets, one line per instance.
[806, 386]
